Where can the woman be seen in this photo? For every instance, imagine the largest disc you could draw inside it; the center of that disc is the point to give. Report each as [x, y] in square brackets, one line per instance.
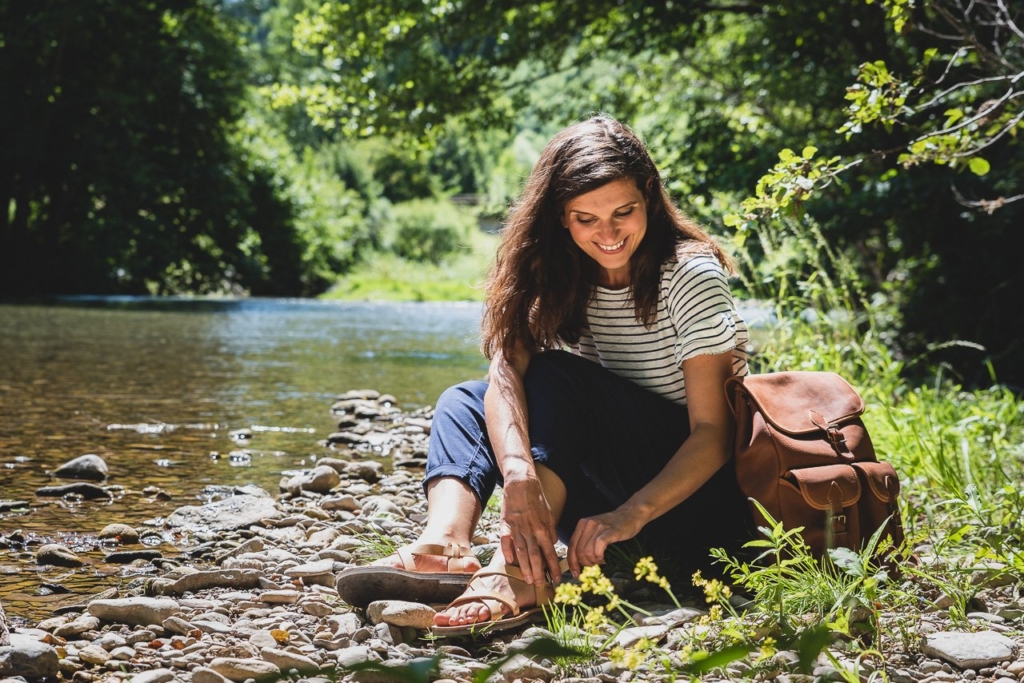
[625, 435]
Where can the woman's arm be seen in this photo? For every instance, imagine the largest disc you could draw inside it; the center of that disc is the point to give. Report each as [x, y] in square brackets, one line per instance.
[698, 458]
[527, 524]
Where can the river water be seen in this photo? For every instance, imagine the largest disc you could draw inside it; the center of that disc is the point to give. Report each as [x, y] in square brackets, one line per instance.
[155, 386]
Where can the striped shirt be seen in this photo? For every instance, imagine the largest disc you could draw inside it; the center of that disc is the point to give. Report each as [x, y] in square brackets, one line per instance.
[696, 315]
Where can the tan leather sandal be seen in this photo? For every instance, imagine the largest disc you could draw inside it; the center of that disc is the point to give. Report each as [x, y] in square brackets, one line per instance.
[503, 621]
[359, 586]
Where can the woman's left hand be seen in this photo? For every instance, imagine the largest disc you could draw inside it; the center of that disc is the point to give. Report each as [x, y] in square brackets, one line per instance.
[593, 535]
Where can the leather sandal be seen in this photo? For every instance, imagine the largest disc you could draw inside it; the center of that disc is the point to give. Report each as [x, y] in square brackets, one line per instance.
[502, 621]
[359, 586]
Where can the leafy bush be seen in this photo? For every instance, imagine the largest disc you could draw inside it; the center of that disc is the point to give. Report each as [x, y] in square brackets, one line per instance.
[428, 231]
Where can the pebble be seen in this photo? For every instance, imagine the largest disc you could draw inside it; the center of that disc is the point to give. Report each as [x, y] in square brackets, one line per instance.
[135, 610]
[401, 613]
[236, 669]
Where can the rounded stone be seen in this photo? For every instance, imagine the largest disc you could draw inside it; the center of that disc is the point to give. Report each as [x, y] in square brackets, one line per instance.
[58, 556]
[90, 467]
[120, 533]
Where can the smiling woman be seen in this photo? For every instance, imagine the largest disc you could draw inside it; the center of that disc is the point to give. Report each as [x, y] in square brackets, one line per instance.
[608, 224]
[625, 437]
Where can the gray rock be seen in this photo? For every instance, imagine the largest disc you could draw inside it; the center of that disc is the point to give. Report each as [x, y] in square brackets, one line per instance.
[401, 613]
[320, 479]
[154, 676]
[93, 654]
[969, 650]
[120, 533]
[229, 514]
[240, 579]
[81, 625]
[357, 654]
[136, 611]
[27, 657]
[287, 661]
[87, 491]
[129, 556]
[379, 506]
[519, 667]
[58, 556]
[202, 674]
[628, 637]
[89, 467]
[241, 670]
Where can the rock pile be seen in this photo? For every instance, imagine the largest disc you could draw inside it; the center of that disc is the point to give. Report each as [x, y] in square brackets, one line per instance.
[252, 599]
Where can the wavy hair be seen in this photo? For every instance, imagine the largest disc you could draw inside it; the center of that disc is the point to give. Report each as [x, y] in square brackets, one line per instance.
[538, 289]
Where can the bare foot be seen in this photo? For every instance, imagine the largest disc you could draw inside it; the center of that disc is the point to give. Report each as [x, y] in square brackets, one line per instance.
[484, 609]
[429, 556]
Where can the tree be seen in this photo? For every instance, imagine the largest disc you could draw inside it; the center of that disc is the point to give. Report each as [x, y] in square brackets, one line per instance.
[119, 167]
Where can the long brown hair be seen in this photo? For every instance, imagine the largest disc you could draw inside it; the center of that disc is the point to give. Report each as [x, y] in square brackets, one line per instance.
[539, 286]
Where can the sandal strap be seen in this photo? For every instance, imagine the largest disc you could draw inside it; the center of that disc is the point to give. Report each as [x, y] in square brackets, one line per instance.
[513, 573]
[457, 555]
[480, 595]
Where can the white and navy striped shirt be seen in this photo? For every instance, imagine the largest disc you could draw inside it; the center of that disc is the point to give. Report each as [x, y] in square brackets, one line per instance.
[696, 315]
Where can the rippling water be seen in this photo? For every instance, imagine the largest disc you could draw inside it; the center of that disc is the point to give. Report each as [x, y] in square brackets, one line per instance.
[154, 386]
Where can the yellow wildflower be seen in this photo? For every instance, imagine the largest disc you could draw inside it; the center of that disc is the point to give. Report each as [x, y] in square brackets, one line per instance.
[568, 593]
[767, 648]
[594, 620]
[716, 591]
[698, 580]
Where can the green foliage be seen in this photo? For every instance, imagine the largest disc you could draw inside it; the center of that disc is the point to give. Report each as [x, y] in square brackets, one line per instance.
[428, 231]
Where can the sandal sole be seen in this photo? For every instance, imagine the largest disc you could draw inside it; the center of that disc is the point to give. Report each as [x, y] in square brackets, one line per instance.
[359, 586]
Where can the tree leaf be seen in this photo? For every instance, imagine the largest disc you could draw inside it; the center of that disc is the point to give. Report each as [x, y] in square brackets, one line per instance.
[978, 166]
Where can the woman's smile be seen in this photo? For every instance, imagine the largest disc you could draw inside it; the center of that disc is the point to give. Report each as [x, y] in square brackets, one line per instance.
[608, 224]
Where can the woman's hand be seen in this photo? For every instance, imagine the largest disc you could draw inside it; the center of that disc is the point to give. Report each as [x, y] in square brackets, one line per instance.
[528, 529]
[593, 535]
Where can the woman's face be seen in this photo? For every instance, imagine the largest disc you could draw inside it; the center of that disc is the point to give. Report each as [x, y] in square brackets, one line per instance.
[608, 224]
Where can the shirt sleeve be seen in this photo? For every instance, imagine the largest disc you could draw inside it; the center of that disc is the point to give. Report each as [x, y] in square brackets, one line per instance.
[702, 309]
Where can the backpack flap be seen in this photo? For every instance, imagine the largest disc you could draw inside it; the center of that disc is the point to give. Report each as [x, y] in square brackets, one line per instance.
[832, 487]
[823, 500]
[798, 403]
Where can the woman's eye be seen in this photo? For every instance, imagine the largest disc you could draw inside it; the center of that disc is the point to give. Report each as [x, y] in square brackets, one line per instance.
[586, 221]
[625, 213]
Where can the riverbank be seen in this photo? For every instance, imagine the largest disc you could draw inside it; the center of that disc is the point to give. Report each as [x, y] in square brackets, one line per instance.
[249, 595]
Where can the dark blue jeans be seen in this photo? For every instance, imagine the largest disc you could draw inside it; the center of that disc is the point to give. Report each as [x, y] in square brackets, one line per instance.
[605, 437]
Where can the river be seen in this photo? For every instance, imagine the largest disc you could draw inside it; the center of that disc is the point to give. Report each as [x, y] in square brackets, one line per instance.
[156, 386]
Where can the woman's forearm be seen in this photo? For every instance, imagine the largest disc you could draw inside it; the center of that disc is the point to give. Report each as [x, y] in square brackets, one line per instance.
[505, 413]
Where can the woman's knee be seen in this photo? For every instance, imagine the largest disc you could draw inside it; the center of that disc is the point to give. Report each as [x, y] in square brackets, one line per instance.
[461, 399]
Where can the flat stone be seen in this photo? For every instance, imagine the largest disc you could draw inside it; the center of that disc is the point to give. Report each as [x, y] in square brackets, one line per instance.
[202, 674]
[317, 568]
[628, 637]
[217, 578]
[287, 661]
[232, 513]
[280, 597]
[87, 491]
[129, 556]
[357, 654]
[90, 467]
[969, 650]
[136, 611]
[401, 613]
[154, 676]
[241, 670]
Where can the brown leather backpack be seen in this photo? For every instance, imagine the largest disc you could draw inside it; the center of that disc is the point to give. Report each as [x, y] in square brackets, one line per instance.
[803, 453]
